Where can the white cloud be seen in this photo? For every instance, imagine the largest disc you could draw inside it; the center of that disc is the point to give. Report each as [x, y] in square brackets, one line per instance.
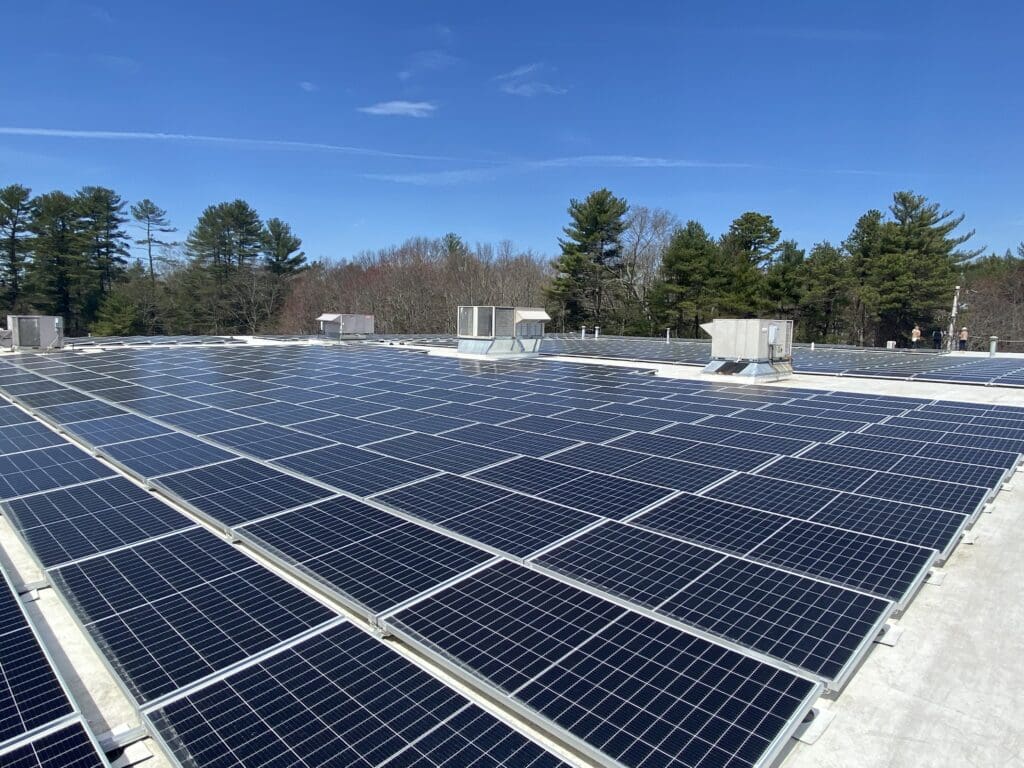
[401, 108]
[518, 72]
[518, 82]
[532, 89]
[428, 61]
[230, 141]
[308, 87]
[467, 175]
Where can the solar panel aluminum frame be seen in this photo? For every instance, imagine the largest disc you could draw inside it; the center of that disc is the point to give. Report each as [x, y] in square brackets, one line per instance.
[831, 685]
[328, 591]
[76, 714]
[479, 684]
[149, 479]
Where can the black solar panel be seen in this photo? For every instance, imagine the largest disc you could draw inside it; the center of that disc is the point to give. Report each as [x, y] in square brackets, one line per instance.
[241, 490]
[169, 612]
[339, 698]
[153, 456]
[712, 522]
[373, 558]
[69, 747]
[115, 429]
[913, 524]
[268, 441]
[604, 495]
[880, 566]
[46, 468]
[773, 495]
[18, 438]
[30, 694]
[75, 522]
[639, 692]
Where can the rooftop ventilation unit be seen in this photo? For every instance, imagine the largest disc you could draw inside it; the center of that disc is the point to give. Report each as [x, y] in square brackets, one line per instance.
[344, 326]
[35, 331]
[750, 351]
[500, 331]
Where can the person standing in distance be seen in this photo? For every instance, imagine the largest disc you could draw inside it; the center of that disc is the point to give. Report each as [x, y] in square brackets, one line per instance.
[915, 336]
[937, 339]
[962, 343]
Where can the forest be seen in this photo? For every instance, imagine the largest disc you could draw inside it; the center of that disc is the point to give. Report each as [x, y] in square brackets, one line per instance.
[113, 267]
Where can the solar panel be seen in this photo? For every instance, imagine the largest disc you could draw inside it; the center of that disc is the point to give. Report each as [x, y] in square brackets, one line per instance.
[712, 522]
[443, 496]
[89, 409]
[203, 421]
[268, 441]
[17, 438]
[622, 685]
[168, 612]
[605, 495]
[883, 567]
[773, 495]
[30, 694]
[374, 559]
[10, 414]
[46, 468]
[68, 747]
[913, 524]
[802, 621]
[115, 429]
[340, 698]
[529, 475]
[71, 523]
[242, 490]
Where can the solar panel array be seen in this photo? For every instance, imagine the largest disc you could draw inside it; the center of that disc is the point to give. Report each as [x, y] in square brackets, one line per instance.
[831, 361]
[752, 540]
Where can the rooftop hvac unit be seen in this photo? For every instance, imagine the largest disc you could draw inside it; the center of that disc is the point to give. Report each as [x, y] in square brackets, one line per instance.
[345, 326]
[751, 351]
[506, 331]
[36, 331]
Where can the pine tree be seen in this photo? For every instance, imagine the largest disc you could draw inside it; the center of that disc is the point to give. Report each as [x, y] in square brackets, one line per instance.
[59, 273]
[106, 243]
[783, 284]
[279, 248]
[152, 220]
[590, 267]
[15, 218]
[690, 269]
[227, 235]
[827, 289]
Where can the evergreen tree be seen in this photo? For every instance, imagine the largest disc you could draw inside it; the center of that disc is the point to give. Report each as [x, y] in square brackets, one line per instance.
[105, 242]
[59, 274]
[589, 269]
[227, 235]
[827, 292]
[15, 219]
[152, 220]
[279, 248]
[755, 236]
[864, 245]
[690, 273]
[783, 282]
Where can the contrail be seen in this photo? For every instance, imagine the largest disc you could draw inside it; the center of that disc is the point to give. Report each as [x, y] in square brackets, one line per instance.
[64, 133]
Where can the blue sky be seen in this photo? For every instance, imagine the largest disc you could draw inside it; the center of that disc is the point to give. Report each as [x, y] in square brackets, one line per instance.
[365, 123]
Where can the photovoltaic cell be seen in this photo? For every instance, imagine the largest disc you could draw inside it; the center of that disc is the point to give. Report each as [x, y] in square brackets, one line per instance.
[68, 747]
[152, 456]
[374, 558]
[342, 698]
[169, 612]
[773, 495]
[238, 491]
[67, 524]
[47, 468]
[712, 522]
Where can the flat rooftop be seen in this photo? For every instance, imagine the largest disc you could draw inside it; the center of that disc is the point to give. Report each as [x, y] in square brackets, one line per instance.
[540, 478]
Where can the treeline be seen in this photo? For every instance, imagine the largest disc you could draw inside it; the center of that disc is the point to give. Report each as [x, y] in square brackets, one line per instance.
[110, 268]
[71, 255]
[637, 271]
